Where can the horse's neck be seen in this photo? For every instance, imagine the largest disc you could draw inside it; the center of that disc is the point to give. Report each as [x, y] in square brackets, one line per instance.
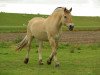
[56, 20]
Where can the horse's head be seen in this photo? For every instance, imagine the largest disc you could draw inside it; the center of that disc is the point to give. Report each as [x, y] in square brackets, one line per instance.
[67, 19]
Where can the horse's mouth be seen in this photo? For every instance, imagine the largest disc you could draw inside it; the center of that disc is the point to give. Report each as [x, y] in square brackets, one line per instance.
[70, 27]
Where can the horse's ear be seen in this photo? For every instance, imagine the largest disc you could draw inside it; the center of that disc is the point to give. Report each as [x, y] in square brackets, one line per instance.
[65, 9]
[70, 9]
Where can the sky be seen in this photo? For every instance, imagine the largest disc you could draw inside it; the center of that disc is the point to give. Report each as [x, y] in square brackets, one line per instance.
[80, 7]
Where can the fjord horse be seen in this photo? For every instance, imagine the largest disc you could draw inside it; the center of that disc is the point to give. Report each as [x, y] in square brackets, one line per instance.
[47, 29]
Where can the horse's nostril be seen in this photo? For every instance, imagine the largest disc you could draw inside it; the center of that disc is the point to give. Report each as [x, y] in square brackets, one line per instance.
[71, 27]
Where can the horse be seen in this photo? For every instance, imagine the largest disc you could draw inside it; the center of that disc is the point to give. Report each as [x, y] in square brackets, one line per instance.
[47, 29]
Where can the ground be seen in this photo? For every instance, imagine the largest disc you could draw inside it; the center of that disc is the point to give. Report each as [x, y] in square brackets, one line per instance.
[68, 36]
[75, 59]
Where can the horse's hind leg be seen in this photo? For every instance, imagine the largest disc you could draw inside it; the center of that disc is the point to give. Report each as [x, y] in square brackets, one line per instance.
[40, 52]
[56, 61]
[28, 49]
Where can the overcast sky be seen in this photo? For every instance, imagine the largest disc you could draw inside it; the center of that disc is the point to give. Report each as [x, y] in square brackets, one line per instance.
[80, 7]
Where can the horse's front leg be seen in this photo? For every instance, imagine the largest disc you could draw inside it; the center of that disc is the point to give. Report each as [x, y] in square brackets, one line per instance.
[55, 57]
[54, 52]
[40, 52]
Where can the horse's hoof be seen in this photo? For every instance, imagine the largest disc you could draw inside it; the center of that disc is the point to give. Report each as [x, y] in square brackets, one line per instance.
[48, 62]
[57, 65]
[26, 60]
[40, 62]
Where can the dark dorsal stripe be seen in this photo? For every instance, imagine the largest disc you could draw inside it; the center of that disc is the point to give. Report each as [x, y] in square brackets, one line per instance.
[65, 10]
[58, 8]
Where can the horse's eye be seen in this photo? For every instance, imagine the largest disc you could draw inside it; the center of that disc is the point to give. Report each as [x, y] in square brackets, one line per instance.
[65, 17]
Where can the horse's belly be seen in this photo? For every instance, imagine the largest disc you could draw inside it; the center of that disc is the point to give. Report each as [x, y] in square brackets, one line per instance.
[38, 31]
[41, 36]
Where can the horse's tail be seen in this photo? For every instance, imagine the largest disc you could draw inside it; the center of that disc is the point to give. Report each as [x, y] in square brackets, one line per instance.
[22, 44]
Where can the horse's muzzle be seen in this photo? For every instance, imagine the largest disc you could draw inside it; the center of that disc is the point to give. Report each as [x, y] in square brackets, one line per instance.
[71, 27]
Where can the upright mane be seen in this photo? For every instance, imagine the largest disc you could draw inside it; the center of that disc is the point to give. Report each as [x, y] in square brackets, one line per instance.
[58, 9]
[61, 9]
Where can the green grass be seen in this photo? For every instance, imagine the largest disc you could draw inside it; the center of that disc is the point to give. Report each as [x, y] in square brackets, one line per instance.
[85, 60]
[13, 19]
[87, 23]
[12, 22]
[75, 59]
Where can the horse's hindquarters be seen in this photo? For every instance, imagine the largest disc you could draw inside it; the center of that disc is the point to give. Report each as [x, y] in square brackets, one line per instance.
[37, 28]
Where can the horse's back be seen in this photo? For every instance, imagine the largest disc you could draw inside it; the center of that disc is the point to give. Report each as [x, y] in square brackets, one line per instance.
[36, 19]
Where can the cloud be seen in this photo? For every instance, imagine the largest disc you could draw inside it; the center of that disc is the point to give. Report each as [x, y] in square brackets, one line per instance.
[96, 3]
[78, 1]
[2, 5]
[30, 1]
[80, 7]
[61, 2]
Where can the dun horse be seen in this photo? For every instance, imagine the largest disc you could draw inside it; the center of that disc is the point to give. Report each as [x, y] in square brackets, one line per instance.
[47, 29]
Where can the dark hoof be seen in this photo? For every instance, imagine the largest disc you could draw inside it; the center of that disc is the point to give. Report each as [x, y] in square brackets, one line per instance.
[26, 60]
[48, 62]
[57, 65]
[40, 62]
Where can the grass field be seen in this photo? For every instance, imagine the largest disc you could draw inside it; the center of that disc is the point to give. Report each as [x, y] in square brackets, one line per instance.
[17, 22]
[75, 59]
[11, 22]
